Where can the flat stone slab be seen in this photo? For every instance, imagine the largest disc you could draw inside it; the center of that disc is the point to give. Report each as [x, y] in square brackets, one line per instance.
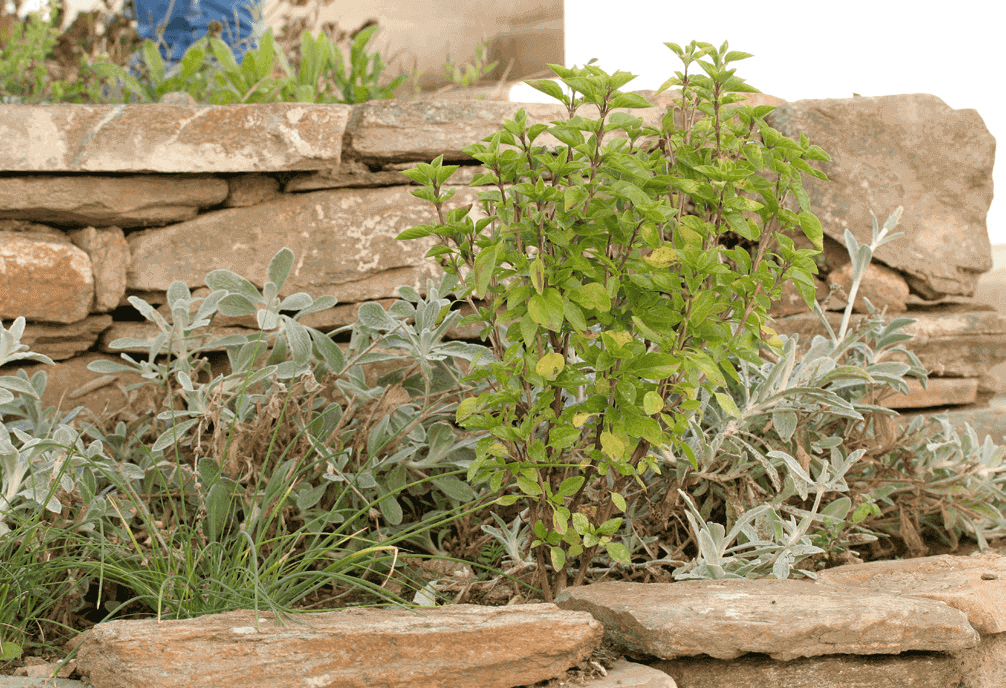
[785, 619]
[976, 585]
[935, 161]
[939, 391]
[399, 130]
[463, 645]
[949, 342]
[844, 671]
[631, 675]
[172, 138]
[986, 422]
[344, 243]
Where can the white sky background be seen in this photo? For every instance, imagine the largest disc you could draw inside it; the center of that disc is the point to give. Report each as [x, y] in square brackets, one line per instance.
[806, 49]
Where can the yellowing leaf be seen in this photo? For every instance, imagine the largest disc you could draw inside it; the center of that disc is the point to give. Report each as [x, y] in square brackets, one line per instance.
[773, 336]
[618, 339]
[611, 445]
[550, 365]
[652, 403]
[466, 408]
[661, 257]
[537, 272]
[727, 404]
[619, 501]
[558, 558]
[497, 449]
[528, 486]
[580, 418]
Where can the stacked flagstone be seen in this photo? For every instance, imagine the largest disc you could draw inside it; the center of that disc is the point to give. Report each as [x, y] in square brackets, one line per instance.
[101, 202]
[931, 622]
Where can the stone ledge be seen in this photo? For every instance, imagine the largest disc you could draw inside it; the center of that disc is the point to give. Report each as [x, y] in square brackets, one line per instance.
[171, 138]
[463, 645]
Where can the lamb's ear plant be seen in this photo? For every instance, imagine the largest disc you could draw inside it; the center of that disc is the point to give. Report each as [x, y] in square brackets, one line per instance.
[813, 465]
[610, 299]
[330, 470]
[259, 491]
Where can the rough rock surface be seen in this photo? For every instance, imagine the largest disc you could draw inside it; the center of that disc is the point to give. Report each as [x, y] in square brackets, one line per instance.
[976, 585]
[884, 287]
[109, 255]
[463, 645]
[785, 619]
[146, 653]
[101, 201]
[913, 151]
[837, 671]
[60, 342]
[948, 341]
[939, 391]
[43, 277]
[344, 244]
[171, 138]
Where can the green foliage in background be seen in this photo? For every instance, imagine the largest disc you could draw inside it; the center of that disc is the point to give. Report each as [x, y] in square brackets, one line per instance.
[210, 73]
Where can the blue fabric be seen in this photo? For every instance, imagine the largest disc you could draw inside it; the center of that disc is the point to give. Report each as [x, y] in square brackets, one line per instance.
[189, 21]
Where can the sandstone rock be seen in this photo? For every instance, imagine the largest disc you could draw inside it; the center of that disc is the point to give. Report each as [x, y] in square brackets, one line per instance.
[948, 342]
[131, 201]
[343, 240]
[631, 675]
[396, 131]
[250, 189]
[178, 98]
[70, 384]
[463, 645]
[992, 285]
[983, 666]
[259, 137]
[989, 421]
[60, 342]
[109, 255]
[790, 302]
[35, 668]
[785, 619]
[909, 150]
[976, 584]
[42, 278]
[940, 391]
[350, 173]
[839, 671]
[885, 288]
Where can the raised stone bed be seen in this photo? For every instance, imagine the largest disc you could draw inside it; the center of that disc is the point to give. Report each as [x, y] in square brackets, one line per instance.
[100, 202]
[933, 622]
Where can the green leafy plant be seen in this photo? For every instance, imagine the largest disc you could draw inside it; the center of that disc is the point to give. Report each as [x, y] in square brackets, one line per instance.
[256, 79]
[21, 67]
[611, 300]
[471, 72]
[208, 71]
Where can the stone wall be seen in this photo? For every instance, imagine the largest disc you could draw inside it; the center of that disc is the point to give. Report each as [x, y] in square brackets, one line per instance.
[100, 202]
